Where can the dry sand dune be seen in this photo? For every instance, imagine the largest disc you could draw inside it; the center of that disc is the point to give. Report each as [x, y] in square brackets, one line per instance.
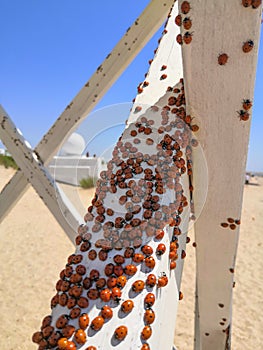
[34, 249]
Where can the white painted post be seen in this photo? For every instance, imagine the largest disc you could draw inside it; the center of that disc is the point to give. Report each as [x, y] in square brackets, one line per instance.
[216, 87]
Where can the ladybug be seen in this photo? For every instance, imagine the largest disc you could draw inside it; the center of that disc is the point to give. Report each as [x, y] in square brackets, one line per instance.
[47, 331]
[112, 281]
[172, 265]
[80, 336]
[138, 258]
[151, 280]
[97, 323]
[62, 321]
[103, 255]
[83, 302]
[106, 312]
[183, 254]
[243, 115]
[53, 339]
[248, 46]
[46, 321]
[159, 234]
[149, 316]
[179, 39]
[91, 348]
[181, 295]
[116, 294]
[222, 59]
[160, 250]
[185, 7]
[187, 38]
[147, 250]
[149, 262]
[37, 337]
[83, 321]
[146, 332]
[256, 3]
[130, 270]
[162, 281]
[178, 20]
[101, 282]
[246, 3]
[127, 306]
[62, 343]
[247, 104]
[81, 269]
[93, 294]
[75, 312]
[94, 275]
[71, 346]
[138, 286]
[145, 346]
[105, 295]
[119, 259]
[121, 332]
[92, 254]
[121, 281]
[187, 23]
[108, 270]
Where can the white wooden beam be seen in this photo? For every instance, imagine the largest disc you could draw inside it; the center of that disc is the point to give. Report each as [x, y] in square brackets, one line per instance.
[214, 95]
[35, 173]
[106, 74]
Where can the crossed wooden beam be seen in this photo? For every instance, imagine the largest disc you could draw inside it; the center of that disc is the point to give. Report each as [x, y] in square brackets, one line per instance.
[32, 162]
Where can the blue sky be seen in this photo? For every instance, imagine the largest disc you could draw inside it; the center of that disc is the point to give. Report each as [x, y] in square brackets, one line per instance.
[50, 48]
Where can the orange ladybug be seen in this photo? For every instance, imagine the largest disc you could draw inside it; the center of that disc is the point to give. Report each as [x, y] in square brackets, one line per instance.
[62, 321]
[149, 300]
[71, 345]
[127, 306]
[178, 20]
[138, 258]
[83, 321]
[222, 59]
[185, 7]
[105, 294]
[106, 312]
[111, 282]
[130, 270]
[162, 281]
[97, 323]
[149, 262]
[149, 316]
[62, 343]
[187, 38]
[138, 286]
[121, 281]
[145, 346]
[159, 234]
[147, 250]
[248, 46]
[93, 294]
[146, 332]
[119, 259]
[247, 104]
[80, 336]
[160, 250]
[121, 332]
[116, 294]
[243, 115]
[187, 23]
[151, 280]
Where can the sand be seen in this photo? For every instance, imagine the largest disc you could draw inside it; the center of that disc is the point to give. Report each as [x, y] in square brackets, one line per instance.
[34, 249]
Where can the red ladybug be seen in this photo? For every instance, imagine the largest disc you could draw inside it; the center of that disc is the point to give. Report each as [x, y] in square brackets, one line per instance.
[80, 336]
[185, 7]
[121, 332]
[179, 39]
[149, 316]
[256, 3]
[116, 294]
[247, 104]
[97, 323]
[118, 270]
[46, 321]
[112, 281]
[159, 234]
[81, 269]
[187, 23]
[145, 346]
[130, 270]
[101, 283]
[162, 281]
[160, 250]
[248, 46]
[178, 20]
[146, 332]
[246, 3]
[83, 321]
[121, 281]
[47, 331]
[129, 252]
[91, 348]
[138, 286]
[138, 258]
[37, 337]
[83, 302]
[187, 38]
[151, 280]
[93, 294]
[147, 250]
[149, 299]
[106, 312]
[75, 312]
[127, 306]
[94, 275]
[105, 295]
[149, 262]
[62, 321]
[222, 59]
[119, 259]
[243, 115]
[108, 270]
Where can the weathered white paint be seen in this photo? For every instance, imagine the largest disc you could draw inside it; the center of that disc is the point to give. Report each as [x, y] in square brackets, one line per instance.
[106, 74]
[214, 94]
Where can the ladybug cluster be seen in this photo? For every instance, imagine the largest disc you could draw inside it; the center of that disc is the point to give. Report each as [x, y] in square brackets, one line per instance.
[129, 235]
[253, 3]
[231, 223]
[184, 22]
[243, 114]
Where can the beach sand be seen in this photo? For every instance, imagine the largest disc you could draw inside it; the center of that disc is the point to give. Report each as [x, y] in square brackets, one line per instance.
[34, 249]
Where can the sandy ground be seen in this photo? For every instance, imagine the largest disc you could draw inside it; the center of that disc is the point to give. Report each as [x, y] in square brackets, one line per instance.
[34, 249]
